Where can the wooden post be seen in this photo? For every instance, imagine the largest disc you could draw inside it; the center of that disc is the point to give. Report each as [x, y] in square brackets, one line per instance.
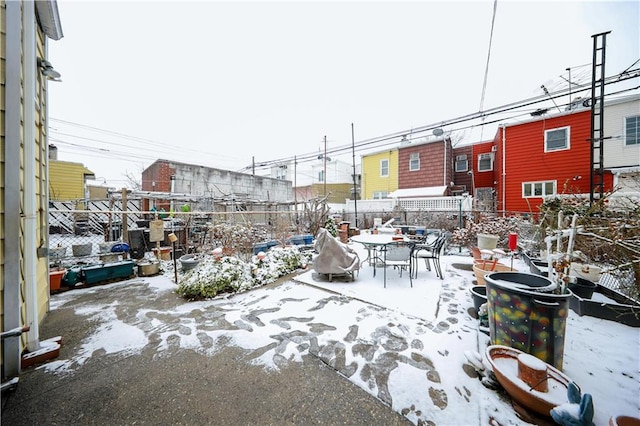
[125, 233]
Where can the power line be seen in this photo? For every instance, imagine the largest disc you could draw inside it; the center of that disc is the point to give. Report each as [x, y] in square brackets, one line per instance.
[170, 149]
[486, 70]
[366, 144]
[360, 146]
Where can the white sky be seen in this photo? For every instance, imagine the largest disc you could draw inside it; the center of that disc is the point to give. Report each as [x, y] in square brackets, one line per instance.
[219, 83]
[432, 316]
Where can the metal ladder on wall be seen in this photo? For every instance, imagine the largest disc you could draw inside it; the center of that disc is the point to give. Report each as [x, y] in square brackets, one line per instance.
[596, 178]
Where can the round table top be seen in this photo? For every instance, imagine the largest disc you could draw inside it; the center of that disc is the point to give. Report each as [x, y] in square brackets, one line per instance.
[376, 239]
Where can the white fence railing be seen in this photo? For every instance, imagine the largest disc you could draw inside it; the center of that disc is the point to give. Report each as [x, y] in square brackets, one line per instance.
[453, 204]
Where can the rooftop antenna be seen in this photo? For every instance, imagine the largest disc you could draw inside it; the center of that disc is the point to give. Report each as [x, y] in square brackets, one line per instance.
[546, 92]
[569, 81]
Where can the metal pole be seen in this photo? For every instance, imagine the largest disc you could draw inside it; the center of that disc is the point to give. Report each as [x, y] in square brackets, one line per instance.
[569, 69]
[460, 220]
[295, 192]
[355, 183]
[324, 172]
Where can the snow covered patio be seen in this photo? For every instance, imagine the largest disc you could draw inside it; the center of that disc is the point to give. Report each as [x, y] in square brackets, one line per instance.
[404, 346]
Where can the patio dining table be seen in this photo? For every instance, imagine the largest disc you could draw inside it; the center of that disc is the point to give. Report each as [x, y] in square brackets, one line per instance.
[375, 244]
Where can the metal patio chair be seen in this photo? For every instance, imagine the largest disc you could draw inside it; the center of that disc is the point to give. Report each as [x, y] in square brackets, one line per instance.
[398, 255]
[429, 252]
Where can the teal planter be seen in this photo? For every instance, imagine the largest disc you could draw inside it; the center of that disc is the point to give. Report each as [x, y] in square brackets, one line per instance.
[108, 271]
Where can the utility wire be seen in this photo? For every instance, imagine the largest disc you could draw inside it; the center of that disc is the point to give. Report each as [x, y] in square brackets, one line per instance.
[363, 145]
[469, 117]
[486, 70]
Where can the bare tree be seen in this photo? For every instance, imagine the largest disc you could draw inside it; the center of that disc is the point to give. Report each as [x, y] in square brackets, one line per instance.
[133, 181]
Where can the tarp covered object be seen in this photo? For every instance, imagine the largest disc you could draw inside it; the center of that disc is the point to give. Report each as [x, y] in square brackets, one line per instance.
[334, 257]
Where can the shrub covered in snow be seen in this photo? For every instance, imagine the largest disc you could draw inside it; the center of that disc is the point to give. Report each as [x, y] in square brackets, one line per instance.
[231, 275]
[330, 225]
[500, 226]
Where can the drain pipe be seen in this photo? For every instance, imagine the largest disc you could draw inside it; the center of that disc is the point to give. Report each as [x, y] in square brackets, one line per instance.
[504, 172]
[29, 194]
[11, 274]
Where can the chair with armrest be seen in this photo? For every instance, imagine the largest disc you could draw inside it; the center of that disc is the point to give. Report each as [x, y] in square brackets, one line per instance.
[429, 252]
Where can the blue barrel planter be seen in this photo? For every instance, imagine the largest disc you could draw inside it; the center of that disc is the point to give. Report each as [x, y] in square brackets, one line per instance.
[120, 248]
[526, 313]
[297, 240]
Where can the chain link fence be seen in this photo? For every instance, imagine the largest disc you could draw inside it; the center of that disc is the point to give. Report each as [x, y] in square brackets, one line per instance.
[88, 232]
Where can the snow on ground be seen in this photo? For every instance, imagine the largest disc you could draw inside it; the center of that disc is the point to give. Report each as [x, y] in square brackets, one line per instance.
[403, 345]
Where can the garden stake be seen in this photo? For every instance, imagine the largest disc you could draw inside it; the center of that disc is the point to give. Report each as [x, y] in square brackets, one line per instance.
[173, 239]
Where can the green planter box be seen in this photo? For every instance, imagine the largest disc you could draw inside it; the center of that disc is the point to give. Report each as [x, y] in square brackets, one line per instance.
[108, 271]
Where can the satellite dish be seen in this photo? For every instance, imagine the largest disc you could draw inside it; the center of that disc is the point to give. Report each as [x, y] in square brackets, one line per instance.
[438, 132]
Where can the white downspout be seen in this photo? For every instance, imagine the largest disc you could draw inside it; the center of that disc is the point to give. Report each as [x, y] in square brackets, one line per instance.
[504, 171]
[29, 140]
[444, 179]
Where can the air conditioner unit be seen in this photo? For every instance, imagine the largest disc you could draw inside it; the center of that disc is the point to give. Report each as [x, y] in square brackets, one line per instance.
[461, 157]
[494, 148]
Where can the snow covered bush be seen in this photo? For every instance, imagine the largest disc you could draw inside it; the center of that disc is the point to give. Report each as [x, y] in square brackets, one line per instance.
[279, 261]
[500, 226]
[231, 275]
[330, 225]
[212, 277]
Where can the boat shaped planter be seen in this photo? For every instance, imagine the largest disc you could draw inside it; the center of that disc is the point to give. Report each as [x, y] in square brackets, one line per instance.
[607, 304]
[504, 362]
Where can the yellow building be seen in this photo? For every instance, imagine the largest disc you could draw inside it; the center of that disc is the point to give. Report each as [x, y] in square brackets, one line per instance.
[379, 174]
[67, 180]
[24, 286]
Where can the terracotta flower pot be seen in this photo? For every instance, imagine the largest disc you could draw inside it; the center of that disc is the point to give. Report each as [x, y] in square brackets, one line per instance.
[55, 278]
[483, 268]
[624, 421]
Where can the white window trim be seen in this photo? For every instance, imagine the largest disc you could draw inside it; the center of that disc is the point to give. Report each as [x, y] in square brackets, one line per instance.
[542, 182]
[380, 195]
[480, 156]
[388, 167]
[466, 164]
[624, 131]
[568, 133]
[417, 154]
